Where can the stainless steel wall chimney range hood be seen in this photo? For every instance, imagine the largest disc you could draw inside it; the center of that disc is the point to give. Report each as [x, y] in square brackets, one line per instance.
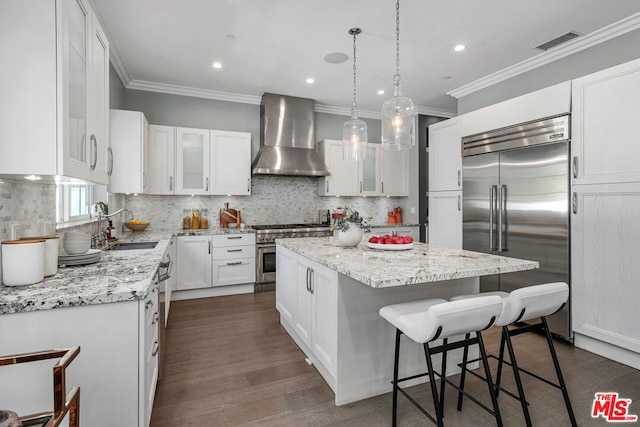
[287, 138]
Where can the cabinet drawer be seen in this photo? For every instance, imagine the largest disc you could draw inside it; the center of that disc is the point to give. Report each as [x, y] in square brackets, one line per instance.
[231, 252]
[225, 240]
[234, 271]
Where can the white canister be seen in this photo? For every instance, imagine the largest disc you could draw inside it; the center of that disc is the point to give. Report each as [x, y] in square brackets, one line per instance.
[51, 244]
[23, 262]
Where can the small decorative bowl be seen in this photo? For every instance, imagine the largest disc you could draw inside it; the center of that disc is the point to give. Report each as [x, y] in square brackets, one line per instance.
[136, 227]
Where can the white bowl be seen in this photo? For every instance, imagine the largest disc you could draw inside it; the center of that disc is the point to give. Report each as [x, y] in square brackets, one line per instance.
[76, 248]
[72, 235]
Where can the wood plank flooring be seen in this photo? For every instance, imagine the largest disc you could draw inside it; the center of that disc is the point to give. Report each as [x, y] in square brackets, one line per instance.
[228, 362]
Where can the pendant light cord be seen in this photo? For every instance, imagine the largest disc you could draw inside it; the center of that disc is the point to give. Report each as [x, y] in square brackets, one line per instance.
[396, 78]
[354, 105]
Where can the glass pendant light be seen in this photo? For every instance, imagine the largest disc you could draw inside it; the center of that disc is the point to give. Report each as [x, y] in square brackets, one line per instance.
[397, 112]
[354, 131]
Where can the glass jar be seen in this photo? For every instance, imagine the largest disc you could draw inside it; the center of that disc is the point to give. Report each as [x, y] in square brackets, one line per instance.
[204, 218]
[186, 219]
[195, 219]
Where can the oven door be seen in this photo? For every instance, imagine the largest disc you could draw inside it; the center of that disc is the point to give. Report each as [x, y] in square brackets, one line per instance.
[265, 263]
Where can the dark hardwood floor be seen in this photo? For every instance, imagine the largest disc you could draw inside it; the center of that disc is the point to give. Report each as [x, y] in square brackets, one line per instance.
[229, 363]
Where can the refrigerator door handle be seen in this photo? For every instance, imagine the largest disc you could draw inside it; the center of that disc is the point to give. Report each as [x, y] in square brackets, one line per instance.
[493, 189]
[502, 220]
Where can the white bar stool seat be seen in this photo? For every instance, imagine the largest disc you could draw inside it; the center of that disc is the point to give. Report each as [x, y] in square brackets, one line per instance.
[428, 320]
[523, 304]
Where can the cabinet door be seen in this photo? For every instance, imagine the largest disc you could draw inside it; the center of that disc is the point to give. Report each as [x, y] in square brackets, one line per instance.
[230, 163]
[128, 149]
[605, 268]
[172, 282]
[192, 161]
[100, 161]
[394, 173]
[234, 271]
[304, 318]
[287, 286]
[345, 174]
[194, 262]
[445, 156]
[605, 126]
[370, 171]
[162, 148]
[445, 218]
[75, 57]
[324, 289]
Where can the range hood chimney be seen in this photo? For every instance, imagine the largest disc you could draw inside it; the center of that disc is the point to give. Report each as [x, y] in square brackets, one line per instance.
[287, 138]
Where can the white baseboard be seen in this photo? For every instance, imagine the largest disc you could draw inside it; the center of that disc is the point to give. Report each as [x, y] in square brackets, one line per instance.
[212, 292]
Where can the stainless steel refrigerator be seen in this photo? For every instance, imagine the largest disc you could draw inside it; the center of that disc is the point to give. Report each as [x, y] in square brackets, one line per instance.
[516, 204]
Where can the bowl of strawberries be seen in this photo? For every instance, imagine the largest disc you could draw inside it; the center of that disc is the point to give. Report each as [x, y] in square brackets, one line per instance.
[390, 242]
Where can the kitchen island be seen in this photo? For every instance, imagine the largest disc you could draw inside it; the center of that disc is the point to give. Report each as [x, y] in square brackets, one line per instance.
[329, 296]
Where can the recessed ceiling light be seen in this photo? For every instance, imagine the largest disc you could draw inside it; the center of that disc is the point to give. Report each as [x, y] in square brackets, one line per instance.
[311, 80]
[33, 177]
[459, 47]
[446, 77]
[217, 65]
[381, 92]
[230, 37]
[336, 57]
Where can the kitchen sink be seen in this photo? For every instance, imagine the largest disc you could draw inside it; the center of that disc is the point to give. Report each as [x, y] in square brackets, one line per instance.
[133, 245]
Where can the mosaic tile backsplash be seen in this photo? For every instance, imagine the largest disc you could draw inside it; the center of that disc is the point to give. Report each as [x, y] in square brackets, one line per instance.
[31, 207]
[273, 200]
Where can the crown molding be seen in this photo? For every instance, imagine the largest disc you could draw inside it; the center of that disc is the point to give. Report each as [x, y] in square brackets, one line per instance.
[194, 92]
[344, 111]
[428, 111]
[609, 32]
[119, 66]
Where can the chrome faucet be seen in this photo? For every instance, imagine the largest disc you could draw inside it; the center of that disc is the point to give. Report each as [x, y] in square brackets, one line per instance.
[100, 216]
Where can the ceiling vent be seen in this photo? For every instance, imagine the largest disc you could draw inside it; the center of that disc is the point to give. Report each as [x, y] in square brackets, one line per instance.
[558, 41]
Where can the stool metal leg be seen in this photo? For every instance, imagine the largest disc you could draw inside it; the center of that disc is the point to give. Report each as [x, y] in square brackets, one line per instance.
[556, 365]
[487, 372]
[395, 379]
[516, 373]
[465, 356]
[432, 382]
[443, 372]
[500, 360]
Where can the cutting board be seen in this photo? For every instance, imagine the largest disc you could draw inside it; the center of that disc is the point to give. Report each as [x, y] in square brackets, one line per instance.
[229, 216]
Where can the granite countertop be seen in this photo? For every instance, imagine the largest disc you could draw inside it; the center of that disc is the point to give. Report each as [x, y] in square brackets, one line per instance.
[119, 276]
[382, 268]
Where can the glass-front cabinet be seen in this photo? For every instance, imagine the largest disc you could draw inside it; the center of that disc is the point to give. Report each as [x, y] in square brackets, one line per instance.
[369, 171]
[192, 161]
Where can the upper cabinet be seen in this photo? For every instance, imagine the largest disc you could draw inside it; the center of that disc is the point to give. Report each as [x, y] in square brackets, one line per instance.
[57, 77]
[382, 173]
[213, 162]
[445, 156]
[162, 157]
[605, 127]
[129, 141]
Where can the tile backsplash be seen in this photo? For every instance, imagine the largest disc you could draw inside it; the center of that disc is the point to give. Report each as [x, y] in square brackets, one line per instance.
[31, 207]
[273, 200]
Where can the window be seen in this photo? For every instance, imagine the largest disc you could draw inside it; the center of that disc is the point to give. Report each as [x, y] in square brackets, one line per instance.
[73, 202]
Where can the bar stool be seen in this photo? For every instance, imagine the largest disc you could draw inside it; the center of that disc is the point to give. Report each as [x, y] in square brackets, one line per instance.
[428, 320]
[531, 302]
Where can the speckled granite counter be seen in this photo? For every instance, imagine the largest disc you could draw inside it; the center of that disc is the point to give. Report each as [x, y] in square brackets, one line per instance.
[424, 263]
[118, 276]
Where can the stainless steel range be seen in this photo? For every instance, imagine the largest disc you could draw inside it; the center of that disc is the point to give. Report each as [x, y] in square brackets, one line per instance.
[266, 236]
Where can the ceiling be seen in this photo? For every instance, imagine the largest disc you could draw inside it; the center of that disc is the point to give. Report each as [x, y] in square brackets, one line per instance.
[168, 45]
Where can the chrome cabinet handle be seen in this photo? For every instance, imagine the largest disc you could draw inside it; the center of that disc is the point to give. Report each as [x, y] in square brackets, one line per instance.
[110, 151]
[171, 183]
[502, 220]
[382, 187]
[234, 263]
[459, 177]
[207, 185]
[311, 280]
[156, 348]
[209, 246]
[234, 250]
[234, 237]
[493, 189]
[361, 186]
[327, 186]
[575, 166]
[308, 290]
[94, 153]
[248, 185]
[459, 203]
[144, 180]
[574, 203]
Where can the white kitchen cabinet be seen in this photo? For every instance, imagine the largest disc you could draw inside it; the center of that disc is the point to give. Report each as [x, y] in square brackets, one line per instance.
[57, 78]
[162, 160]
[233, 259]
[213, 162]
[605, 140]
[171, 283]
[129, 140]
[307, 298]
[194, 262]
[192, 161]
[116, 369]
[230, 163]
[345, 174]
[370, 171]
[605, 270]
[445, 156]
[445, 218]
[394, 173]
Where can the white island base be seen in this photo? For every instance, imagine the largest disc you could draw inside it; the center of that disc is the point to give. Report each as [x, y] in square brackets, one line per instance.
[329, 297]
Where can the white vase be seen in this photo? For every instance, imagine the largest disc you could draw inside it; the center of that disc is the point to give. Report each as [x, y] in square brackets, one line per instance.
[351, 237]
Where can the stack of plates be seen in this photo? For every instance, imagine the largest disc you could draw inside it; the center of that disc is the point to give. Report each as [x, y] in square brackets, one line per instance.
[92, 256]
